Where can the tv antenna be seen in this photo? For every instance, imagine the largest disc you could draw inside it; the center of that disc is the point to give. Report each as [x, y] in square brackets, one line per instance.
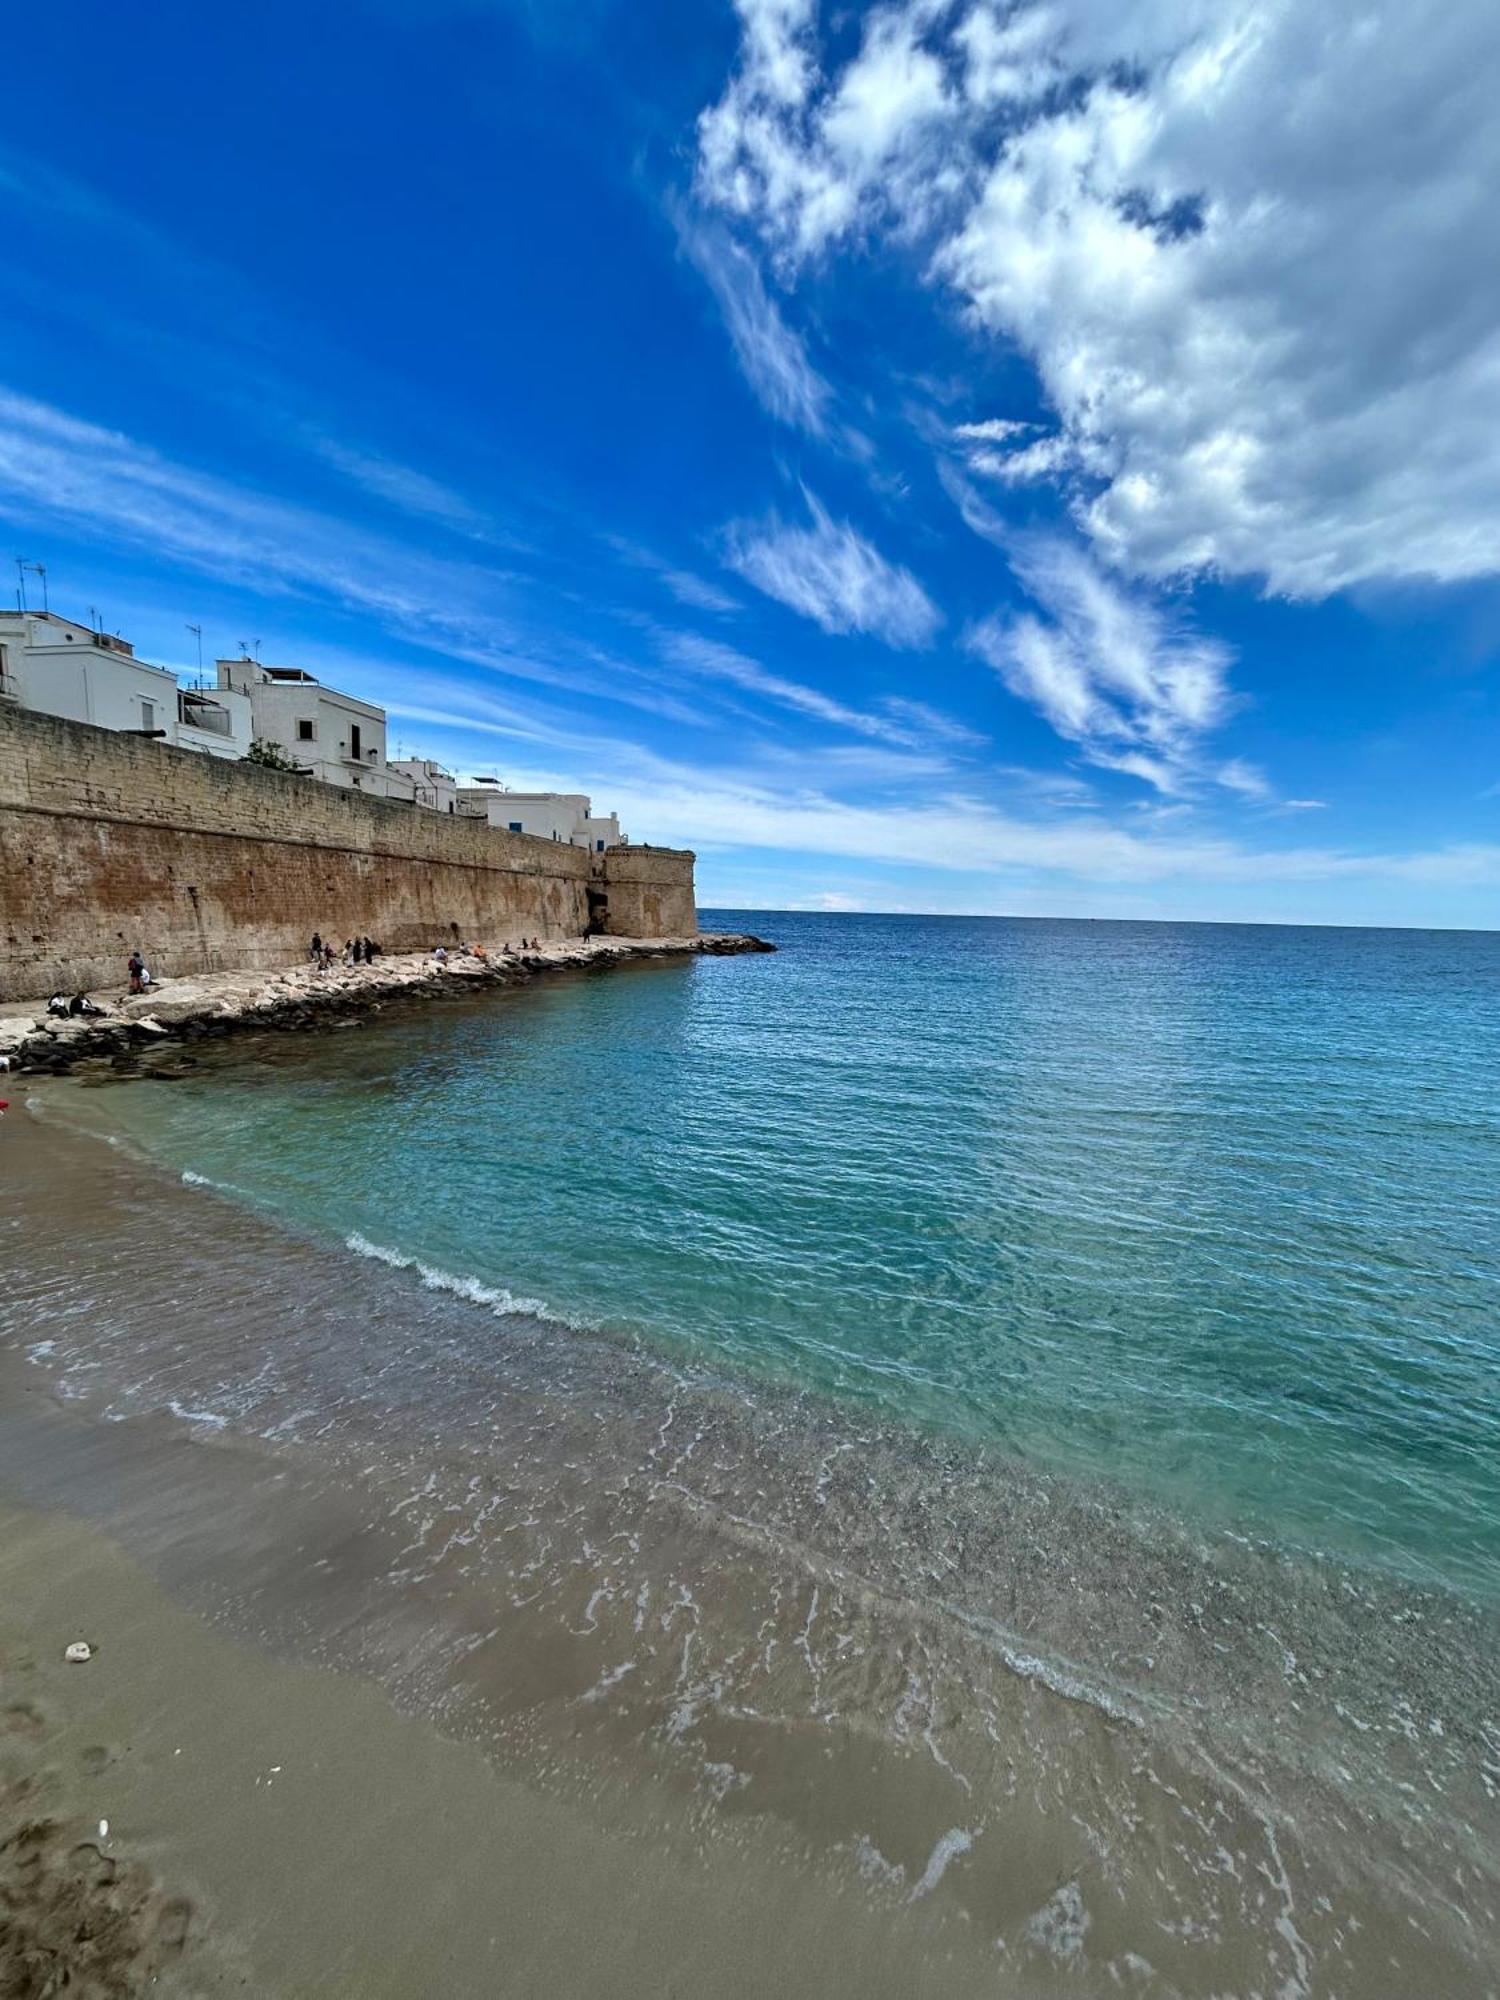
[37, 570]
[197, 632]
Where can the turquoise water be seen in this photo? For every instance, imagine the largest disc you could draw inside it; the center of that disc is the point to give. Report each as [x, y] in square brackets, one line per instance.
[1207, 1210]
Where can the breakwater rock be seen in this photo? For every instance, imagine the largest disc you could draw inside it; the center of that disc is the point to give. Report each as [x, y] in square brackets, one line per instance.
[146, 1034]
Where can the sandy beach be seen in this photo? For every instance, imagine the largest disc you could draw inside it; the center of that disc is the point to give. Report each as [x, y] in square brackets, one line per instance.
[276, 1824]
[185, 1814]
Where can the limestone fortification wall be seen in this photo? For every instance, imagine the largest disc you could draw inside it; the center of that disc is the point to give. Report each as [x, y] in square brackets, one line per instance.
[108, 842]
[648, 893]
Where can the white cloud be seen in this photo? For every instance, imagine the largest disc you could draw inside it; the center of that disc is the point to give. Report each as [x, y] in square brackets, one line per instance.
[992, 430]
[1109, 671]
[685, 585]
[404, 487]
[831, 574]
[772, 357]
[57, 468]
[1243, 241]
[696, 591]
[721, 662]
[1246, 779]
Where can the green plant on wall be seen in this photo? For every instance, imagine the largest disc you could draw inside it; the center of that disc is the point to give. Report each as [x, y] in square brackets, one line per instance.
[271, 755]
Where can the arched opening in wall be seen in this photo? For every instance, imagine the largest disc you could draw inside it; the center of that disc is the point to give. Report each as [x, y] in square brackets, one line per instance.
[598, 913]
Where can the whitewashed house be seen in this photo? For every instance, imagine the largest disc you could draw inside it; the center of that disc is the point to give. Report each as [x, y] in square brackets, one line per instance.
[335, 737]
[436, 789]
[562, 816]
[56, 666]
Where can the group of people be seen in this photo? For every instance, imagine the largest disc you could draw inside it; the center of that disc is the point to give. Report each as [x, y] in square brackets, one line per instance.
[357, 951]
[69, 1007]
[442, 953]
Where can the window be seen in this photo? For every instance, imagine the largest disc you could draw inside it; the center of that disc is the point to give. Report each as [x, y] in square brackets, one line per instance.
[598, 846]
[354, 744]
[516, 826]
[304, 730]
[148, 715]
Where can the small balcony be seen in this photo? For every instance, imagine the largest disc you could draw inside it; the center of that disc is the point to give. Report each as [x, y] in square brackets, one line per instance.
[196, 711]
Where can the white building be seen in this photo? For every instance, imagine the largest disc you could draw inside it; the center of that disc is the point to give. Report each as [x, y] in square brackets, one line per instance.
[563, 816]
[332, 736]
[57, 667]
[436, 788]
[216, 721]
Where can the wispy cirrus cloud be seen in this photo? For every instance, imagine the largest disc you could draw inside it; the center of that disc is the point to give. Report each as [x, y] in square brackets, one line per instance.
[1109, 671]
[751, 805]
[830, 573]
[772, 357]
[55, 467]
[405, 488]
[907, 725]
[685, 585]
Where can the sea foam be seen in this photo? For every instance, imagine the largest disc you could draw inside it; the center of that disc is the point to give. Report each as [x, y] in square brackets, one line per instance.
[496, 1298]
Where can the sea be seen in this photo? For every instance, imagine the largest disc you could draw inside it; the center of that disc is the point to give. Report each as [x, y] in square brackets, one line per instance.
[1004, 1411]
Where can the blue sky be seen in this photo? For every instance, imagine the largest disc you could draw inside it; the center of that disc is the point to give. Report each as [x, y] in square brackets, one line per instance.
[957, 456]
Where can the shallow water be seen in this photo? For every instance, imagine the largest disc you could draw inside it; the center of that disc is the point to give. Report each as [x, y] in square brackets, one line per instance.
[1009, 1406]
[1209, 1209]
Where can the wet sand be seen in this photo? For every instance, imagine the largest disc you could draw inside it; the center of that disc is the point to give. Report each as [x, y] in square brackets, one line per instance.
[538, 1668]
[284, 1831]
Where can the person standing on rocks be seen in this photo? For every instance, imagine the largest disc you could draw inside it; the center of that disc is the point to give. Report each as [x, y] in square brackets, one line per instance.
[135, 965]
[315, 949]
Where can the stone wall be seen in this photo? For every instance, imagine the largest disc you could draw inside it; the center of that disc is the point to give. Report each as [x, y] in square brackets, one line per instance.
[647, 892]
[108, 842]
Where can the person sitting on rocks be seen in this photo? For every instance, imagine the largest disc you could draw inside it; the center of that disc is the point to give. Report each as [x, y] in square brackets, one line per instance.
[440, 953]
[81, 1004]
[58, 1004]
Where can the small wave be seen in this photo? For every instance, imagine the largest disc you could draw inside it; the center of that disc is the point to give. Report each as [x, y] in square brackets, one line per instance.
[190, 1179]
[210, 1418]
[494, 1297]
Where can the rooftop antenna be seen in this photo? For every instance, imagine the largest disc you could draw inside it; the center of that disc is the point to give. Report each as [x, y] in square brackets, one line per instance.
[197, 632]
[37, 570]
[257, 652]
[96, 623]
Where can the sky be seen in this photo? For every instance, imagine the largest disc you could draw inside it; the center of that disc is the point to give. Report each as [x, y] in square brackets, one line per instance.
[995, 456]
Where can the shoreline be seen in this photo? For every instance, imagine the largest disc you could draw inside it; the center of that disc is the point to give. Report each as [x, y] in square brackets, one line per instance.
[726, 1637]
[198, 1006]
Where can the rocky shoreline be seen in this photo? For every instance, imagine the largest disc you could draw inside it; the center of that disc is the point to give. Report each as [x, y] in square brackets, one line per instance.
[144, 1034]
